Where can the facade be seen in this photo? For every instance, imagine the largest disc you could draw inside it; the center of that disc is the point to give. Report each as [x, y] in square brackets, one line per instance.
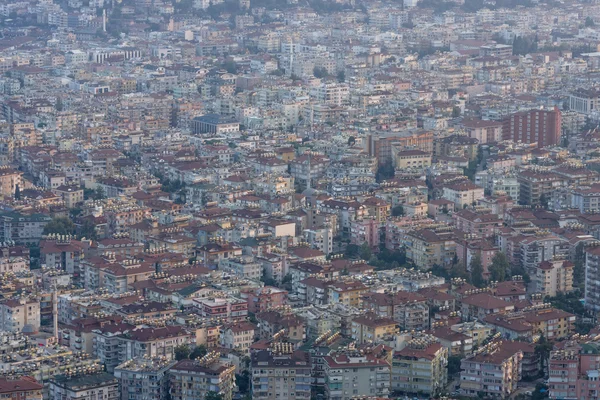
[272, 371]
[350, 375]
[18, 314]
[23, 388]
[143, 379]
[495, 371]
[542, 127]
[553, 277]
[483, 131]
[99, 385]
[193, 379]
[421, 367]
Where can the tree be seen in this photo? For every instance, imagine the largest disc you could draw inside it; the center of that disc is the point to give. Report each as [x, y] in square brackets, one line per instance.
[341, 76]
[476, 271]
[243, 381]
[351, 251]
[230, 66]
[182, 352]
[454, 365]
[320, 72]
[544, 201]
[385, 171]
[543, 349]
[60, 225]
[365, 251]
[579, 268]
[88, 230]
[17, 192]
[398, 211]
[351, 141]
[500, 267]
[455, 112]
[589, 22]
[213, 396]
[198, 352]
[99, 193]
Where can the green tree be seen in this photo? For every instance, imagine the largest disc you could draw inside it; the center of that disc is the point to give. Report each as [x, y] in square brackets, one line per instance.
[351, 141]
[500, 267]
[99, 193]
[320, 72]
[243, 381]
[385, 171]
[17, 192]
[365, 251]
[543, 349]
[454, 365]
[182, 352]
[341, 76]
[398, 211]
[198, 352]
[60, 225]
[589, 22]
[579, 268]
[544, 201]
[455, 112]
[476, 271]
[352, 251]
[213, 396]
[88, 230]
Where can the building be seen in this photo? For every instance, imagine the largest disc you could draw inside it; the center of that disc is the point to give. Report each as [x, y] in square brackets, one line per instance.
[494, 371]
[496, 50]
[584, 101]
[552, 277]
[214, 124]
[280, 373]
[371, 328]
[71, 195]
[530, 323]
[426, 247]
[537, 185]
[463, 193]
[421, 367]
[22, 228]
[408, 309]
[193, 379]
[592, 278]
[542, 127]
[22, 388]
[10, 179]
[16, 314]
[144, 379]
[94, 386]
[402, 159]
[483, 131]
[380, 145]
[349, 375]
[238, 336]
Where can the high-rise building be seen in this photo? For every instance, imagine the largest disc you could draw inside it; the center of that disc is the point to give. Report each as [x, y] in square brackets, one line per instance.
[542, 127]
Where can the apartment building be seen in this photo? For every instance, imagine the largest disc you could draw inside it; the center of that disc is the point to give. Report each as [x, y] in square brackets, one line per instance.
[420, 367]
[348, 293]
[483, 131]
[533, 250]
[16, 314]
[366, 230]
[584, 101]
[238, 336]
[463, 193]
[380, 145]
[94, 386]
[22, 228]
[144, 379]
[10, 179]
[402, 159]
[542, 127]
[494, 371]
[226, 309]
[22, 388]
[408, 309]
[574, 370]
[535, 183]
[193, 379]
[476, 223]
[348, 375]
[370, 328]
[280, 373]
[532, 322]
[592, 278]
[553, 276]
[426, 247]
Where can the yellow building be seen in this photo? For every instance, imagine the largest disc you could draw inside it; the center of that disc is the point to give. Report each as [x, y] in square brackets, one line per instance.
[377, 208]
[347, 293]
[553, 277]
[410, 158]
[431, 246]
[371, 328]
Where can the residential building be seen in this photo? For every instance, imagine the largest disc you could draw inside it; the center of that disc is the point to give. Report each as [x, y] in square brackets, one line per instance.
[421, 367]
[22, 388]
[193, 379]
[463, 193]
[280, 373]
[238, 336]
[349, 375]
[542, 127]
[410, 310]
[495, 371]
[144, 379]
[17, 314]
[553, 277]
[370, 328]
[483, 131]
[98, 385]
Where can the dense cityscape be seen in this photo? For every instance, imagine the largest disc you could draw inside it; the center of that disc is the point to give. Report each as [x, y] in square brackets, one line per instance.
[299, 199]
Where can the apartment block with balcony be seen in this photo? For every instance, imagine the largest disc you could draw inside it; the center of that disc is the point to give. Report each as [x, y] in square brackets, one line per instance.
[280, 373]
[94, 386]
[350, 375]
[370, 327]
[553, 277]
[193, 379]
[495, 371]
[592, 278]
[421, 367]
[144, 379]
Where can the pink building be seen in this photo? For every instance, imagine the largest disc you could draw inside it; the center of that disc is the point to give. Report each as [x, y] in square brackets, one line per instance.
[365, 230]
[265, 299]
[574, 371]
[480, 225]
[466, 249]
